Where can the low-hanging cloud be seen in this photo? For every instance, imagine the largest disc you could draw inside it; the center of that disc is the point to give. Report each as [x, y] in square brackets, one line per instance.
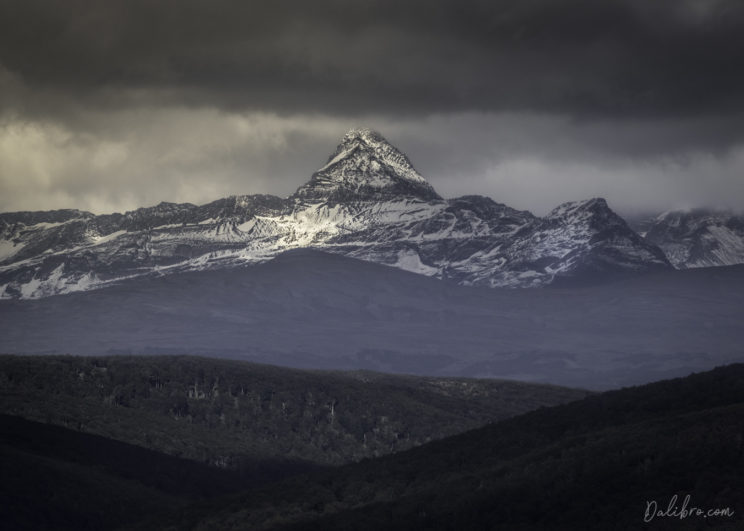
[124, 160]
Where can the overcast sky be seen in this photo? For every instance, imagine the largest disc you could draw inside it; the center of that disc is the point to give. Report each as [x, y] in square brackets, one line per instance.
[112, 105]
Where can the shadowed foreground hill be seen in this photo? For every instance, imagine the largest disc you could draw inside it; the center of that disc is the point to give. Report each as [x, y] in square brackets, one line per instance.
[591, 464]
[56, 478]
[262, 420]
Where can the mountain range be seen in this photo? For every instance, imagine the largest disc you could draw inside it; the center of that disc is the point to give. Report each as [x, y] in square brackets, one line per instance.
[366, 202]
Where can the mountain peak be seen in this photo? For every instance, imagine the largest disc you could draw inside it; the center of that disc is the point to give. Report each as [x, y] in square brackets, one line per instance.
[583, 208]
[364, 134]
[365, 166]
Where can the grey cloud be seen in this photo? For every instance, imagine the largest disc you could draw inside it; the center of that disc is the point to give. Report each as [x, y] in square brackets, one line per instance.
[120, 160]
[536, 161]
[615, 57]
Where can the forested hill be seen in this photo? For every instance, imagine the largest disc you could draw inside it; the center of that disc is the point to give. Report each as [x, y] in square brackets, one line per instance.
[235, 414]
[590, 464]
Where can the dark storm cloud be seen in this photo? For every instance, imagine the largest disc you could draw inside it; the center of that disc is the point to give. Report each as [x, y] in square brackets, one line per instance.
[586, 58]
[115, 104]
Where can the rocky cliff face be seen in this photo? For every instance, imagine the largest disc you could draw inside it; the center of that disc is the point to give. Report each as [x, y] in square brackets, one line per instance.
[699, 237]
[367, 202]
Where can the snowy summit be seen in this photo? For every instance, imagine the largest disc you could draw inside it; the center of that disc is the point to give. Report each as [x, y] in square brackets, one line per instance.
[365, 166]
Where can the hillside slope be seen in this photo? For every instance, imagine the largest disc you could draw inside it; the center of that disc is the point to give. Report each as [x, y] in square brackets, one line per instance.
[264, 421]
[592, 464]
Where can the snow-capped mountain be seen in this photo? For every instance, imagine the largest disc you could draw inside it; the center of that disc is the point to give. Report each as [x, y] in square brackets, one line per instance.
[366, 202]
[699, 237]
[365, 167]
